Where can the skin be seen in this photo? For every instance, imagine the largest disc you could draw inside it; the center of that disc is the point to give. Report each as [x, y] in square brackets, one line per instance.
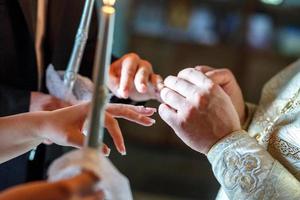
[80, 186]
[225, 79]
[199, 110]
[129, 77]
[132, 77]
[23, 132]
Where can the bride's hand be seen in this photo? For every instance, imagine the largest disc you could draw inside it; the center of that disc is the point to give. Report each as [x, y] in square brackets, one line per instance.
[132, 77]
[64, 126]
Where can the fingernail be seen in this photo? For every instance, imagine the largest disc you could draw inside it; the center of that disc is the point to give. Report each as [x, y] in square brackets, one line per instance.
[143, 88]
[107, 153]
[152, 121]
[123, 93]
[122, 150]
[151, 109]
[160, 86]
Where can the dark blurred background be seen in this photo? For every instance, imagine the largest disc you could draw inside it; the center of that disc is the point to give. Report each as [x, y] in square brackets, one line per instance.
[254, 38]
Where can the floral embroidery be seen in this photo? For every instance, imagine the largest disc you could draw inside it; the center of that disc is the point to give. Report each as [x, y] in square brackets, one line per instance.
[240, 171]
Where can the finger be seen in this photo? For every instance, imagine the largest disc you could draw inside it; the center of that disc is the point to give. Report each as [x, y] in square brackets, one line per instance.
[172, 98]
[106, 150]
[131, 115]
[204, 69]
[75, 139]
[115, 75]
[221, 77]
[82, 184]
[113, 128]
[128, 71]
[146, 111]
[157, 82]
[47, 142]
[96, 196]
[116, 109]
[142, 76]
[181, 86]
[168, 115]
[195, 77]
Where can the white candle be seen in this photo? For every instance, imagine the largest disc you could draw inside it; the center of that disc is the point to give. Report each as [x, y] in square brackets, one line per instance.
[101, 70]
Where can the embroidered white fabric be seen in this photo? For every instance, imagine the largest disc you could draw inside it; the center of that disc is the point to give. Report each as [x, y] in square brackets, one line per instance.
[114, 185]
[247, 171]
[83, 87]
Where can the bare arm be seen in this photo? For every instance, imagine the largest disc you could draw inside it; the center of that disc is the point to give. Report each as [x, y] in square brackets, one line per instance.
[18, 135]
[80, 186]
[21, 133]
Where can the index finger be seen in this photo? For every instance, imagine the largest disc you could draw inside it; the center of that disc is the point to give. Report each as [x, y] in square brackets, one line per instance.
[129, 67]
[196, 77]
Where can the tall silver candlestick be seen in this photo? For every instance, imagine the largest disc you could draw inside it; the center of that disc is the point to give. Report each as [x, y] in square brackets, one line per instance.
[79, 45]
[101, 70]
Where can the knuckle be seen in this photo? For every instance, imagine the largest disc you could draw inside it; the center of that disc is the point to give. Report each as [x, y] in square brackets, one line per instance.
[201, 68]
[166, 93]
[133, 56]
[227, 71]
[169, 79]
[201, 100]
[186, 71]
[146, 64]
[212, 87]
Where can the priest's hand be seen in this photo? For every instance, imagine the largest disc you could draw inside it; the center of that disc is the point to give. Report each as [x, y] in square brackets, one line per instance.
[132, 77]
[44, 102]
[225, 79]
[198, 110]
[64, 127]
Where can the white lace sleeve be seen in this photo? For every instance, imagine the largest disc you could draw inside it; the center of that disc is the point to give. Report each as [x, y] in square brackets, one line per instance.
[246, 170]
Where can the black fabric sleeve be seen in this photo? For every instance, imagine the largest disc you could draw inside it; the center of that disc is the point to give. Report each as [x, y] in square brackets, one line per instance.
[13, 101]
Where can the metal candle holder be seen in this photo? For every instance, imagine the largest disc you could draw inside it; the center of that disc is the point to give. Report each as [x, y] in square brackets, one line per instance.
[79, 45]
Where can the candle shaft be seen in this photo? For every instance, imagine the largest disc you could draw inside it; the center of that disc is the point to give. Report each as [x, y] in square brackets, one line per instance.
[101, 70]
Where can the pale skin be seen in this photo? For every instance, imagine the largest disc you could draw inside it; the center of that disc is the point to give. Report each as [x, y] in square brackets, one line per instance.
[202, 105]
[23, 132]
[80, 186]
[129, 77]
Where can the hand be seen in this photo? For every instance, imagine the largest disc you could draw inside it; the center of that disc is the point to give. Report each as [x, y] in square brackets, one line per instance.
[197, 109]
[43, 102]
[81, 186]
[133, 77]
[227, 81]
[64, 126]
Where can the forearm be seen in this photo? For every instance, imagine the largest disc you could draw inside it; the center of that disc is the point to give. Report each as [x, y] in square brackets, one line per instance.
[18, 135]
[247, 171]
[37, 191]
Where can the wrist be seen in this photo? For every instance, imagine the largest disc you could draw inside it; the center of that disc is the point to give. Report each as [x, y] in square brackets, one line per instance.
[39, 124]
[224, 143]
[218, 140]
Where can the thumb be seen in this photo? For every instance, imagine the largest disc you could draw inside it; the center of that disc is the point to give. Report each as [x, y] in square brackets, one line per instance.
[220, 77]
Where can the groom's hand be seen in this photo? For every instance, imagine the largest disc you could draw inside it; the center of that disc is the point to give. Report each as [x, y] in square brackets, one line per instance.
[225, 79]
[197, 109]
[133, 77]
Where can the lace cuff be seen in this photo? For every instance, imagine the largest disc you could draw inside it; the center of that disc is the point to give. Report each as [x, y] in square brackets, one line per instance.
[250, 110]
[247, 171]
